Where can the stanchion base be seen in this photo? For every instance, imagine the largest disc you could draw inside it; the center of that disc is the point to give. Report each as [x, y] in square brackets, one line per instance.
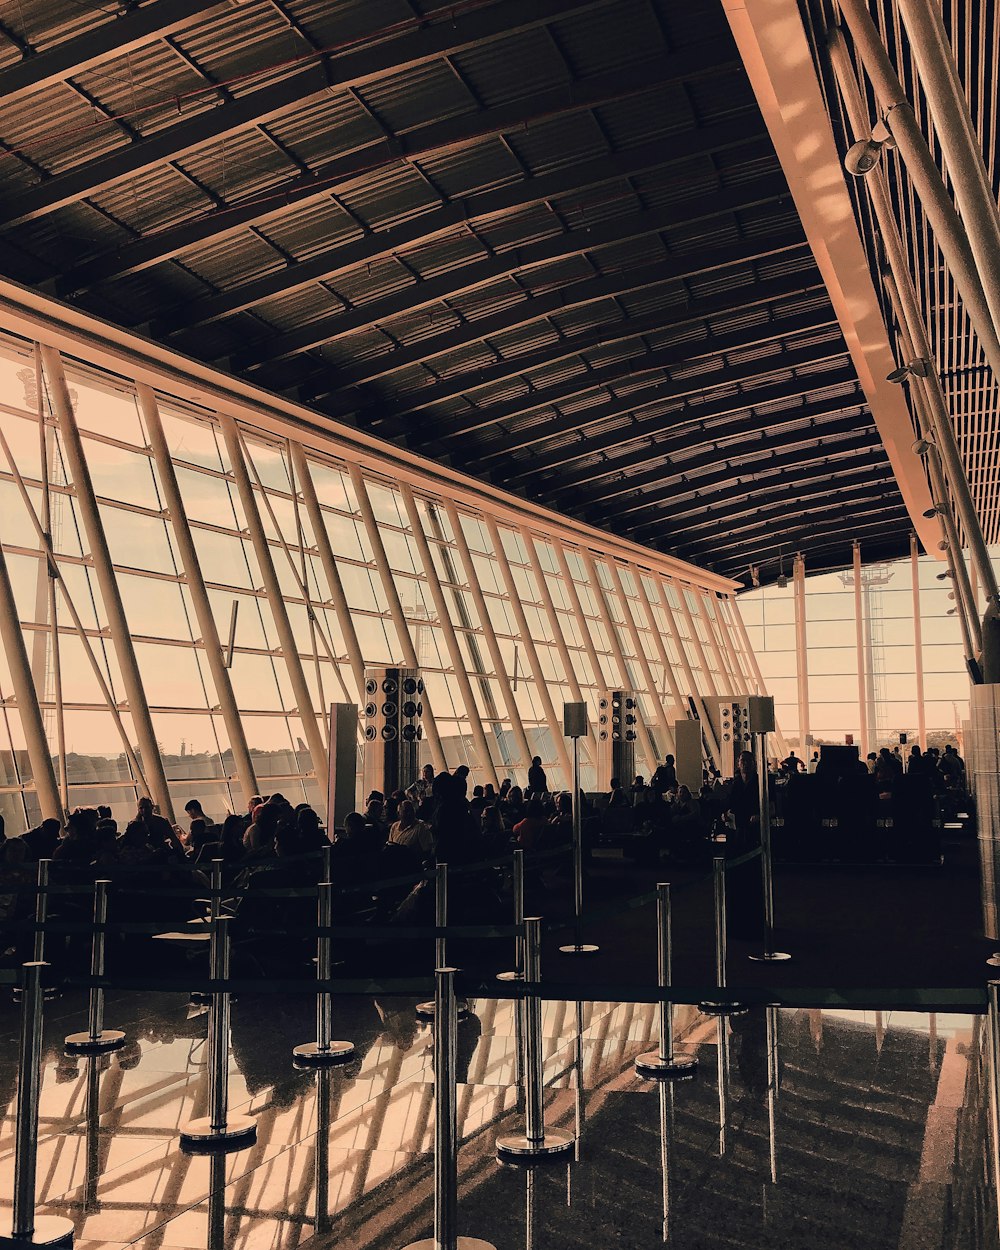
[84, 1044]
[722, 1009]
[994, 960]
[49, 1230]
[517, 1146]
[461, 1243]
[770, 957]
[312, 1055]
[425, 1011]
[519, 976]
[579, 948]
[680, 1068]
[199, 1138]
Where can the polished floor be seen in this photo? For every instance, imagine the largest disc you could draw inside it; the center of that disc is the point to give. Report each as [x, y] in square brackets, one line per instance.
[827, 1129]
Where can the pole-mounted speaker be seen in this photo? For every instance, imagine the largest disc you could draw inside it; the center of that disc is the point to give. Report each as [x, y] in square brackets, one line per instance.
[617, 726]
[393, 715]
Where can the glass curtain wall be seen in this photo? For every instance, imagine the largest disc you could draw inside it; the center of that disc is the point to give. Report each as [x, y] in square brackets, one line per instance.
[889, 701]
[239, 657]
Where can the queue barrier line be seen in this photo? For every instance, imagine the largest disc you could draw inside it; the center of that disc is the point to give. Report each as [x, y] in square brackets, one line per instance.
[969, 999]
[202, 928]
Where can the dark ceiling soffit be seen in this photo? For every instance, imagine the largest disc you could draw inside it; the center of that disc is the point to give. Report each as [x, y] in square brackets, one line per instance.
[872, 474]
[131, 27]
[638, 361]
[831, 441]
[431, 291]
[846, 524]
[429, 227]
[455, 132]
[828, 419]
[725, 406]
[542, 306]
[318, 77]
[653, 393]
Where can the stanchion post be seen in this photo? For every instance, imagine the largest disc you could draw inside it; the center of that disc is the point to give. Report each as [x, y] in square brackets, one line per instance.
[769, 954]
[719, 1007]
[426, 1010]
[97, 1039]
[27, 1228]
[517, 973]
[663, 1062]
[41, 919]
[327, 853]
[198, 997]
[446, 1123]
[219, 1130]
[323, 1050]
[993, 1076]
[535, 1142]
[577, 946]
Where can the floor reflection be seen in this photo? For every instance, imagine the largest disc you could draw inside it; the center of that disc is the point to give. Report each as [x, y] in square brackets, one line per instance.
[803, 1128]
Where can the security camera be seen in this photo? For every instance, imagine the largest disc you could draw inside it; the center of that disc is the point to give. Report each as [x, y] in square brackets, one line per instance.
[862, 157]
[936, 510]
[922, 446]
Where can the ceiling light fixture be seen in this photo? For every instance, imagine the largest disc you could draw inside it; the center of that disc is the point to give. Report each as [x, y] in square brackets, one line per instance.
[863, 156]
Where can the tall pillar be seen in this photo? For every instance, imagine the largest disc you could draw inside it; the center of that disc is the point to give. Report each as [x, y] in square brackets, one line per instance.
[303, 477]
[541, 687]
[199, 594]
[276, 601]
[450, 637]
[396, 608]
[489, 634]
[39, 756]
[801, 649]
[859, 642]
[918, 643]
[121, 638]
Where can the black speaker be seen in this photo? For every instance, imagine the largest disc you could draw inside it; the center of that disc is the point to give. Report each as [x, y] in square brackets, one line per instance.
[393, 715]
[617, 727]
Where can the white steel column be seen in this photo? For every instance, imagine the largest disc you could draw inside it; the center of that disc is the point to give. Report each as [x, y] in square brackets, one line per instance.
[647, 672]
[555, 726]
[450, 637]
[758, 680]
[152, 765]
[553, 618]
[859, 627]
[39, 756]
[293, 664]
[693, 631]
[711, 628]
[396, 608]
[300, 466]
[649, 746]
[489, 634]
[657, 637]
[734, 653]
[199, 595]
[918, 644]
[581, 620]
[707, 728]
[801, 661]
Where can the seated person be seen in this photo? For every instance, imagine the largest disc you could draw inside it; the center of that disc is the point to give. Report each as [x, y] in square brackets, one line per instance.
[530, 830]
[409, 831]
[617, 797]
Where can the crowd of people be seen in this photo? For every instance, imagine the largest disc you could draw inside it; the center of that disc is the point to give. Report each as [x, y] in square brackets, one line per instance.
[945, 770]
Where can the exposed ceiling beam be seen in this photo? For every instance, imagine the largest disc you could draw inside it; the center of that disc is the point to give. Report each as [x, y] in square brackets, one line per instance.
[319, 76]
[131, 27]
[802, 425]
[431, 291]
[645, 360]
[840, 526]
[730, 505]
[590, 291]
[653, 393]
[462, 131]
[656, 428]
[826, 437]
[450, 218]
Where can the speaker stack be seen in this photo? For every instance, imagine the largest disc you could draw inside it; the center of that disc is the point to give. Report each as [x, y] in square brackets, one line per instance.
[393, 715]
[734, 734]
[617, 725]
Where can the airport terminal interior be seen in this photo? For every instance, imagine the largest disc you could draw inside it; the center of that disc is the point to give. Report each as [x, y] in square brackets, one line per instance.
[499, 624]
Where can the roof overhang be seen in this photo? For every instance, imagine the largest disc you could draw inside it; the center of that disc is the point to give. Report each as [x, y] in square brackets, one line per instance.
[773, 44]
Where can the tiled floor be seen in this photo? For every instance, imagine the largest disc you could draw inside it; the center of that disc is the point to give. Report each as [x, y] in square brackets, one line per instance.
[874, 1133]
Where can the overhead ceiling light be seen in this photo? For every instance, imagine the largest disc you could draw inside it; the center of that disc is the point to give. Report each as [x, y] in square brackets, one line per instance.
[941, 576]
[922, 446]
[919, 368]
[937, 509]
